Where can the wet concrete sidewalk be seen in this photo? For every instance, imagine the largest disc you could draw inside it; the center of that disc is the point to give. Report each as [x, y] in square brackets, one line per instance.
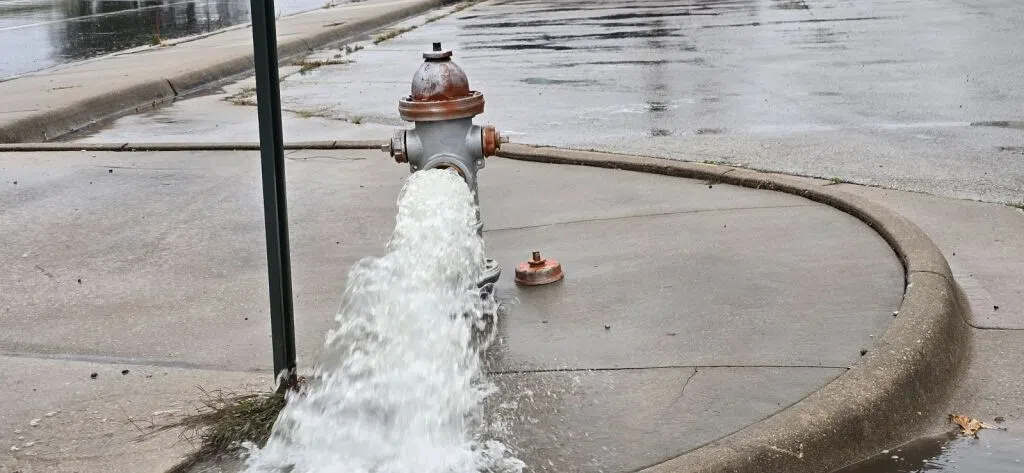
[689, 311]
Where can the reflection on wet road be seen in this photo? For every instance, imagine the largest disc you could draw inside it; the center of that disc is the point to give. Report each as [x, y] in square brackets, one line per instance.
[41, 33]
[993, 452]
[919, 95]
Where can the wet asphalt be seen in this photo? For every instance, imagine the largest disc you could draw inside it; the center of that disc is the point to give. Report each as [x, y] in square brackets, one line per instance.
[916, 95]
[37, 34]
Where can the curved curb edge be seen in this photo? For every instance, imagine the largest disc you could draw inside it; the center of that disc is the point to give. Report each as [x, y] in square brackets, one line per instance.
[884, 399]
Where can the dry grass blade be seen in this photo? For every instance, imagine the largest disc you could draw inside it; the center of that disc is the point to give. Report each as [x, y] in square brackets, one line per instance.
[225, 420]
[228, 420]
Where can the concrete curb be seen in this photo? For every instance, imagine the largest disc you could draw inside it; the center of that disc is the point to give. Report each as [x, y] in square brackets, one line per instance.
[887, 397]
[304, 43]
[149, 93]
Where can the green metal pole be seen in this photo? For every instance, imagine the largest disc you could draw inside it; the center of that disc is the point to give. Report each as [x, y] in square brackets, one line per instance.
[268, 101]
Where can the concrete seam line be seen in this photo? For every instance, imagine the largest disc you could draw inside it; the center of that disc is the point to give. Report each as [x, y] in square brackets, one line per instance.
[886, 397]
[68, 118]
[171, 146]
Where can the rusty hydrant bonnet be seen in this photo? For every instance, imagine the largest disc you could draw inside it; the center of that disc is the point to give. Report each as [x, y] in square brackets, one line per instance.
[442, 106]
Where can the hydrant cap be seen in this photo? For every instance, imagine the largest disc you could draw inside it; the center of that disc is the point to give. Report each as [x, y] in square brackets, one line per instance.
[440, 91]
[438, 78]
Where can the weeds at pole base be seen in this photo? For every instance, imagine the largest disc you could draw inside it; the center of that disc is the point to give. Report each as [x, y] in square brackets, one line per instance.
[226, 420]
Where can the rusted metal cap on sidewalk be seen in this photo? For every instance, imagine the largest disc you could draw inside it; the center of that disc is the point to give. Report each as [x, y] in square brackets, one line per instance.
[440, 91]
[537, 271]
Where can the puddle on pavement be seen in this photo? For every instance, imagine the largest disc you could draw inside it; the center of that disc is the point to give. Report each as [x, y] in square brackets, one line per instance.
[996, 451]
[543, 46]
[790, 5]
[546, 81]
[575, 21]
[657, 106]
[1001, 124]
[654, 62]
[788, 22]
[1011, 149]
[709, 131]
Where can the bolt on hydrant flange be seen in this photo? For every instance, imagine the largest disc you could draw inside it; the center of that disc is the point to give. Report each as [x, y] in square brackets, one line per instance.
[442, 106]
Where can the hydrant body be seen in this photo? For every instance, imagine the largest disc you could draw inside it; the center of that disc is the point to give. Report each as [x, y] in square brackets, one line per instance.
[454, 144]
[442, 107]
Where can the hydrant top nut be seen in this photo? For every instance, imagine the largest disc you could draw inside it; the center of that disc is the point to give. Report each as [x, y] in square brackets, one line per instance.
[437, 52]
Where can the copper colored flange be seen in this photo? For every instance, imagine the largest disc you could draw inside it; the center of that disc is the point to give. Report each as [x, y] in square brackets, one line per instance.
[538, 271]
[413, 111]
[491, 140]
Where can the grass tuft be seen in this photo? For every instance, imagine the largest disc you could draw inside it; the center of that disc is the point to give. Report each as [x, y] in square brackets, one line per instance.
[323, 112]
[224, 421]
[454, 10]
[307, 65]
[391, 34]
[245, 96]
[465, 5]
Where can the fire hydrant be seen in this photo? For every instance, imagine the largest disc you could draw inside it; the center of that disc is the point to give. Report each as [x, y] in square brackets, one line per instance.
[442, 107]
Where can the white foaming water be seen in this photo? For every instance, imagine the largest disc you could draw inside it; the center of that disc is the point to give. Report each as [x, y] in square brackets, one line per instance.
[399, 387]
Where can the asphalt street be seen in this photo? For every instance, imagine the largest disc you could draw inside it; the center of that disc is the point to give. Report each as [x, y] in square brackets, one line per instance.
[914, 95]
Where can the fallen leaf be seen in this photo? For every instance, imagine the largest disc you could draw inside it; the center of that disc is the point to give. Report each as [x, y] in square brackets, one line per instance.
[970, 426]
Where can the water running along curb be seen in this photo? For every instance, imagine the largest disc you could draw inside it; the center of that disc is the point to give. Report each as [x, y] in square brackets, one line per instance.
[884, 399]
[149, 92]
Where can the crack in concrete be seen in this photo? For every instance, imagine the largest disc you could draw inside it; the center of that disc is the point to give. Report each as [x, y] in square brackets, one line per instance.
[658, 367]
[925, 271]
[682, 390]
[964, 316]
[173, 89]
[993, 329]
[113, 360]
[655, 214]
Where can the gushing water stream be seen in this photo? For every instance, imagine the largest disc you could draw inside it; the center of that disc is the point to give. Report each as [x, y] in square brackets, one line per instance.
[399, 387]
